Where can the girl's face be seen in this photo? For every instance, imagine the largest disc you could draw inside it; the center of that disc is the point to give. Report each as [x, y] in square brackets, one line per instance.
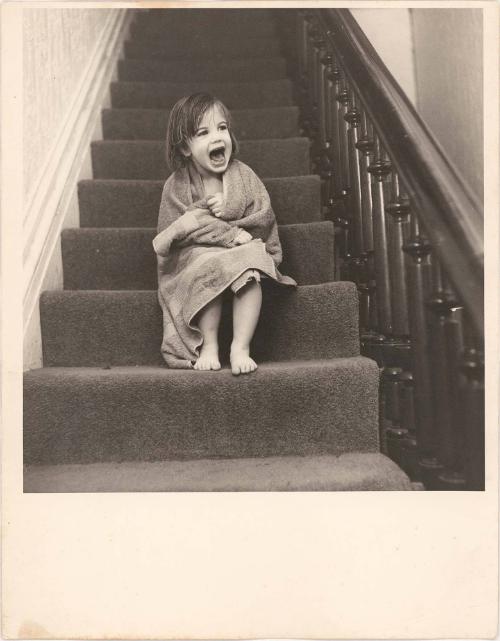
[210, 148]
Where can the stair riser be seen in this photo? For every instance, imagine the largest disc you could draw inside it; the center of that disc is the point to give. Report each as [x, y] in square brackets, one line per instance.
[110, 417]
[146, 159]
[108, 203]
[100, 328]
[227, 46]
[203, 25]
[156, 95]
[246, 70]
[148, 124]
[124, 259]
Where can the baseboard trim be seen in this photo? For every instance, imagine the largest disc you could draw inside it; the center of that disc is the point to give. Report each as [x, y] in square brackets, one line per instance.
[55, 191]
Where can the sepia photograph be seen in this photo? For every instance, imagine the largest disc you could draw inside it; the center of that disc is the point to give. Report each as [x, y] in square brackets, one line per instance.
[260, 264]
[249, 308]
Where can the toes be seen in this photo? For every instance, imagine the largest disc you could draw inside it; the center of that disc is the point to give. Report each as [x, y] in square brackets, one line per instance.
[245, 367]
[205, 366]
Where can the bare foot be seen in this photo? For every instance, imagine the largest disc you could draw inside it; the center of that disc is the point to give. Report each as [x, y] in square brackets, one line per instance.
[209, 358]
[241, 363]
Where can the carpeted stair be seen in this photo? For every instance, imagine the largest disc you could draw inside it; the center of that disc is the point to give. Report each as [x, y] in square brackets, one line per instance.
[104, 413]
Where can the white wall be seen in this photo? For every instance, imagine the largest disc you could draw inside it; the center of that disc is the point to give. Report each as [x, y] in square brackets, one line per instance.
[449, 77]
[69, 58]
[390, 32]
[436, 56]
[57, 46]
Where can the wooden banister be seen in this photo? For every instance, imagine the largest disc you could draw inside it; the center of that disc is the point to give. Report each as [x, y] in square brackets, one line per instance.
[450, 212]
[409, 233]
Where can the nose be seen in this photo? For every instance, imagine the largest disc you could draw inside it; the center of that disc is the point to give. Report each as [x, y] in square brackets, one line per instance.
[215, 138]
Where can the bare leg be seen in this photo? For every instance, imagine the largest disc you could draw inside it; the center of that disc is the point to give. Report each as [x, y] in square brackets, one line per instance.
[246, 310]
[208, 322]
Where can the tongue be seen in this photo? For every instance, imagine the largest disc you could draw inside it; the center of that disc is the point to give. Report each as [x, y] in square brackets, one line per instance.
[217, 156]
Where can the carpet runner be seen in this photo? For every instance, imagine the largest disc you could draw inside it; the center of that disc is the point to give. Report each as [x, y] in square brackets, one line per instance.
[104, 413]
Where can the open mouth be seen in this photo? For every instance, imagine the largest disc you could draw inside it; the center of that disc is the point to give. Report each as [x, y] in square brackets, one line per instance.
[217, 155]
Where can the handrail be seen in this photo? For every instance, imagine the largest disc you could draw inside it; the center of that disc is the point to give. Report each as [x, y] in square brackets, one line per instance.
[450, 212]
[409, 234]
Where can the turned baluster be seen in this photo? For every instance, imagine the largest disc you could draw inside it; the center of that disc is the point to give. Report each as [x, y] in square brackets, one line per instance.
[440, 304]
[335, 201]
[443, 305]
[365, 294]
[452, 452]
[398, 210]
[408, 449]
[474, 417]
[321, 53]
[315, 40]
[419, 288]
[365, 146]
[343, 101]
[319, 149]
[394, 432]
[327, 184]
[335, 76]
[379, 169]
[307, 104]
[353, 118]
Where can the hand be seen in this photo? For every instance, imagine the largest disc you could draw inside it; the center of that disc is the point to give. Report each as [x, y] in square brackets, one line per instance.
[243, 237]
[216, 204]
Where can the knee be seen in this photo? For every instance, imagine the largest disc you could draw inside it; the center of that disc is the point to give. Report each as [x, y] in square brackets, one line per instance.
[249, 278]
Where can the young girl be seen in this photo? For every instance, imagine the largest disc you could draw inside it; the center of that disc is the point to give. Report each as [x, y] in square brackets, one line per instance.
[216, 230]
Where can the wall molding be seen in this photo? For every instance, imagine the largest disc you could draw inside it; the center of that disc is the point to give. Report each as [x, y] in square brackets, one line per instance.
[52, 197]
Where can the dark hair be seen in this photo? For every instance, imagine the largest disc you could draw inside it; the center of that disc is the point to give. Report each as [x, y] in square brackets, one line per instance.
[184, 121]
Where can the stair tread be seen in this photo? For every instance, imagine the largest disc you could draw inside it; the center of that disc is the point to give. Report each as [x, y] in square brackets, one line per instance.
[356, 471]
[100, 327]
[246, 70]
[105, 413]
[123, 258]
[146, 158]
[151, 124]
[235, 95]
[77, 415]
[207, 24]
[135, 203]
[171, 46]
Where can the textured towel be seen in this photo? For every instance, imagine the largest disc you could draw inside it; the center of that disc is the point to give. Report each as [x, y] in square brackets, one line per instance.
[198, 257]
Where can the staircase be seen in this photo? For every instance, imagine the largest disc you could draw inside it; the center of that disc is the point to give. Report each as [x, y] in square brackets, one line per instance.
[104, 413]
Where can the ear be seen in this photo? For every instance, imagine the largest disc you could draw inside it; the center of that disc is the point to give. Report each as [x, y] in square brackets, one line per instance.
[185, 151]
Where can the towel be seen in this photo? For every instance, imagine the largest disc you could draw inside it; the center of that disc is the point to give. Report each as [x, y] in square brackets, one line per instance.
[198, 257]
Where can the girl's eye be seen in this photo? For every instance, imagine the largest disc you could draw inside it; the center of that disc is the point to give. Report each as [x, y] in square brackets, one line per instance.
[202, 132]
[223, 127]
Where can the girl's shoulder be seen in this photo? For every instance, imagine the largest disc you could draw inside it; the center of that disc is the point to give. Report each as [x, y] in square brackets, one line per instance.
[246, 172]
[176, 177]
[240, 165]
